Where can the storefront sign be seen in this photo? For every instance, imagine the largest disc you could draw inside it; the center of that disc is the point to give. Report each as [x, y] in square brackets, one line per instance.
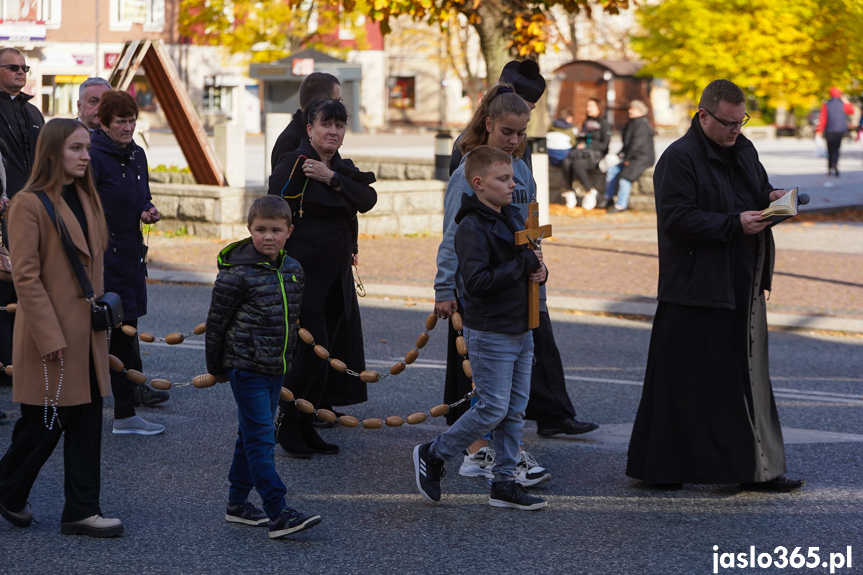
[21, 30]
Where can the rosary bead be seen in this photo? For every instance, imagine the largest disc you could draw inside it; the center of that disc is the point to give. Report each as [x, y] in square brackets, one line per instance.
[422, 340]
[200, 329]
[146, 337]
[397, 368]
[115, 363]
[136, 376]
[338, 365]
[411, 356]
[439, 410]
[394, 421]
[130, 330]
[461, 345]
[326, 415]
[286, 394]
[348, 421]
[204, 380]
[321, 352]
[306, 336]
[457, 323]
[162, 384]
[174, 338]
[465, 365]
[431, 321]
[415, 418]
[373, 423]
[370, 376]
[305, 406]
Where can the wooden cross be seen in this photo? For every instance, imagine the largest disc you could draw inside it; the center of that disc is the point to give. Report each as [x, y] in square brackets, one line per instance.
[532, 235]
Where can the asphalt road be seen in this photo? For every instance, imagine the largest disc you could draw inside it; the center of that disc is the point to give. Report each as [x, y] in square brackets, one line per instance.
[170, 490]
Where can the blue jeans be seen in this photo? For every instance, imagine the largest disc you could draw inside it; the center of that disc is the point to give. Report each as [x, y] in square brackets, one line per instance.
[254, 466]
[501, 364]
[624, 187]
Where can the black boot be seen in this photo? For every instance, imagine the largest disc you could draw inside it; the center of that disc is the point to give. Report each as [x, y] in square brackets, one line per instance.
[311, 438]
[288, 434]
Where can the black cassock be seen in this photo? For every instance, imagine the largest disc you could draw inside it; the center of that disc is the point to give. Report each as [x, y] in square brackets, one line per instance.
[707, 412]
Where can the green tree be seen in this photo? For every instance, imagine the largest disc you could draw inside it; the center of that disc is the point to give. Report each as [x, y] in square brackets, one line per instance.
[783, 51]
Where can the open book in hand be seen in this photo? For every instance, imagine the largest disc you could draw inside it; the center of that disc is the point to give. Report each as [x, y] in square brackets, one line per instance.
[781, 209]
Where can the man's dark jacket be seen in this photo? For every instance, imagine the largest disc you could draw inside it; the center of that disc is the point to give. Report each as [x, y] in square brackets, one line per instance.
[637, 148]
[697, 221]
[20, 124]
[289, 140]
[493, 268]
[252, 324]
[123, 183]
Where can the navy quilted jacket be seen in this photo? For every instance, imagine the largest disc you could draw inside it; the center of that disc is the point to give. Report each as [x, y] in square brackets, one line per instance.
[252, 324]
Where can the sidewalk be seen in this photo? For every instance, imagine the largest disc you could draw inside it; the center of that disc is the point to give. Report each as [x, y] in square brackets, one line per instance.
[603, 264]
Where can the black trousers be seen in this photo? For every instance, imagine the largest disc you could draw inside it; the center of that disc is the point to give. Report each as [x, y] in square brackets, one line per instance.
[128, 350]
[549, 401]
[307, 378]
[834, 141]
[7, 323]
[33, 443]
[577, 164]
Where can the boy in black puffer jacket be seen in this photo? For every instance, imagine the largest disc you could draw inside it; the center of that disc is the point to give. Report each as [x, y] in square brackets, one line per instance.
[251, 331]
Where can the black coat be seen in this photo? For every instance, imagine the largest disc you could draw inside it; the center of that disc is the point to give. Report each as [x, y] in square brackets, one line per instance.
[290, 138]
[252, 323]
[323, 242]
[637, 148]
[20, 146]
[696, 219]
[707, 412]
[123, 183]
[595, 134]
[493, 267]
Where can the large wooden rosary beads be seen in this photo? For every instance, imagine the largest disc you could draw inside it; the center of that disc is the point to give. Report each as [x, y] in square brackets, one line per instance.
[368, 376]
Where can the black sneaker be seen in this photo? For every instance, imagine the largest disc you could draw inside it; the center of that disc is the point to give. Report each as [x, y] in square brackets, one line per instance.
[512, 495]
[291, 521]
[429, 471]
[146, 395]
[247, 514]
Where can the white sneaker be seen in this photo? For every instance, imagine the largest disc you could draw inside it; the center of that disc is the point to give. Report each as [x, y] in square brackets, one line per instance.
[569, 198]
[136, 425]
[478, 464]
[528, 472]
[589, 201]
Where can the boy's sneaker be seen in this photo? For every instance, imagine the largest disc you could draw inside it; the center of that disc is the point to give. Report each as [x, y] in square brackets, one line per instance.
[146, 395]
[291, 521]
[429, 471]
[528, 472]
[478, 464]
[512, 495]
[247, 514]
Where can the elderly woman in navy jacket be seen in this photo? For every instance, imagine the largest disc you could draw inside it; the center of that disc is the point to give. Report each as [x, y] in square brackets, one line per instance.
[325, 192]
[121, 177]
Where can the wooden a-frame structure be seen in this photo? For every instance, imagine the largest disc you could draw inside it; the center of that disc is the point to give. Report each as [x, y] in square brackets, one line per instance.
[175, 102]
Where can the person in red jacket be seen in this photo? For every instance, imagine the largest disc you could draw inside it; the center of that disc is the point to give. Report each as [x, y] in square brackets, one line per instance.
[833, 125]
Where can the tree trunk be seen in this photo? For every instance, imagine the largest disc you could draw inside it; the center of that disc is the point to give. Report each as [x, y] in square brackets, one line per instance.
[493, 36]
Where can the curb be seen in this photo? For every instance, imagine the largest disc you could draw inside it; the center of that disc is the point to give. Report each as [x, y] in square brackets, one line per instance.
[555, 303]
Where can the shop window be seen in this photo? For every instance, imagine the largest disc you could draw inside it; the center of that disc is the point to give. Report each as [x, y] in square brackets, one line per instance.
[402, 92]
[149, 13]
[47, 11]
[218, 99]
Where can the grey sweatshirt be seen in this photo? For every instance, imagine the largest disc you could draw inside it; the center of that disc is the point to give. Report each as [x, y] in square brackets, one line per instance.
[447, 284]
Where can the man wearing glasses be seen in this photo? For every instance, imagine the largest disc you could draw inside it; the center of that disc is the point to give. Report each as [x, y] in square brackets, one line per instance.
[20, 123]
[707, 412]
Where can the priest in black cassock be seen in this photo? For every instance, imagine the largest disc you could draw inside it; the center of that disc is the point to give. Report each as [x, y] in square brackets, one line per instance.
[707, 412]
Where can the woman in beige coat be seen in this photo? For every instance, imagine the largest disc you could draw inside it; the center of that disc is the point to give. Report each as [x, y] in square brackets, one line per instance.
[60, 364]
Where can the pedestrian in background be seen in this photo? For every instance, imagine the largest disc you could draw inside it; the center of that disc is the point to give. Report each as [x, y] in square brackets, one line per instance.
[61, 363]
[636, 156]
[593, 140]
[19, 130]
[833, 124]
[122, 180]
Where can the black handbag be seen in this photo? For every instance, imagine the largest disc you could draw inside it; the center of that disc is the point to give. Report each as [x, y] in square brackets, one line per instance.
[107, 310]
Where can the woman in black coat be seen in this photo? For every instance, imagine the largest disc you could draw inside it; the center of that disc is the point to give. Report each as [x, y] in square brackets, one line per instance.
[121, 177]
[325, 192]
[592, 146]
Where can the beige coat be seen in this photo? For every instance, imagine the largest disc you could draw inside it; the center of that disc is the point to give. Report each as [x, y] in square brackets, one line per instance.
[52, 313]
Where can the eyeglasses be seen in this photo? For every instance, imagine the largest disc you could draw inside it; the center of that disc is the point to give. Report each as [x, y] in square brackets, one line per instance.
[729, 125]
[15, 67]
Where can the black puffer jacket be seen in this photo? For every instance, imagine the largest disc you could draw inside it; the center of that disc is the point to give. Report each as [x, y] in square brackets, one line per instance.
[493, 268]
[252, 323]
